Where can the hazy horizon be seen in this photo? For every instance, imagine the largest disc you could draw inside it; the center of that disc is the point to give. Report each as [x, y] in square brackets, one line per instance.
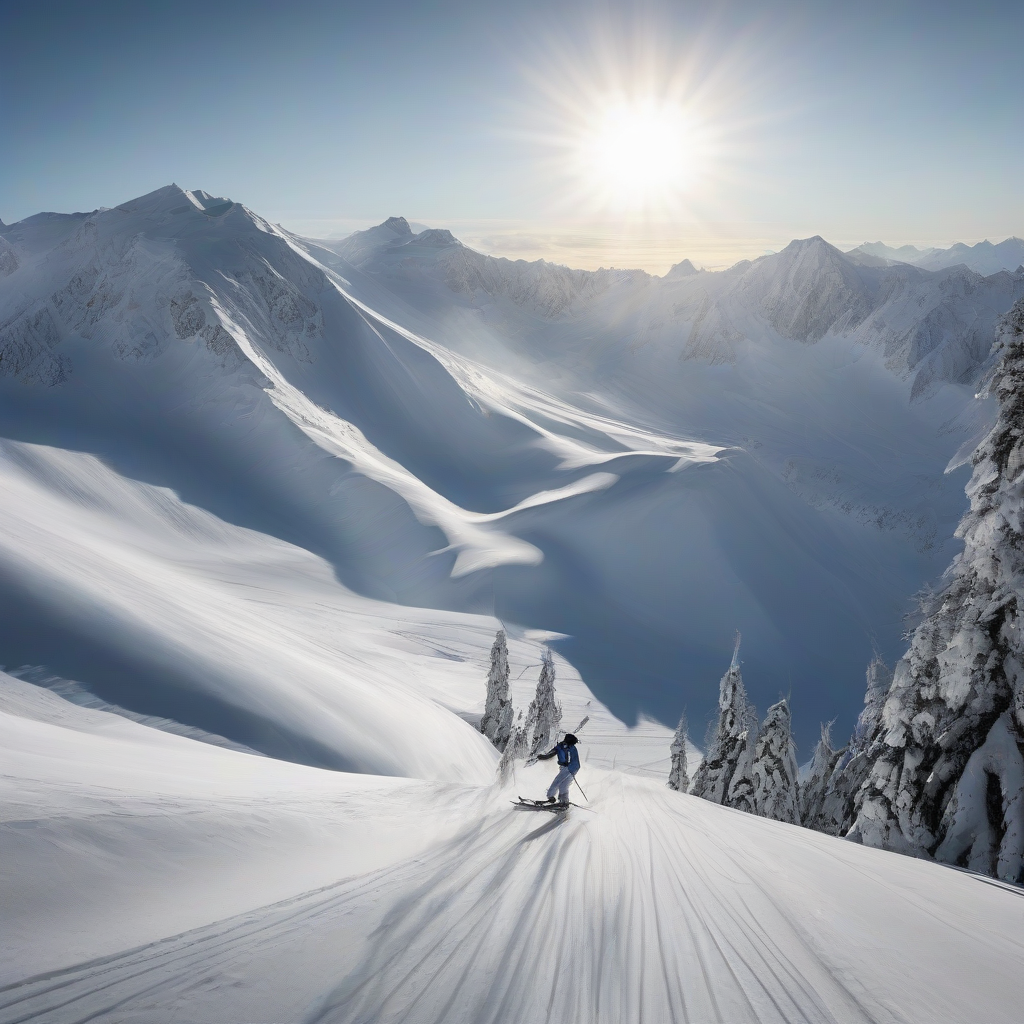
[595, 246]
[586, 248]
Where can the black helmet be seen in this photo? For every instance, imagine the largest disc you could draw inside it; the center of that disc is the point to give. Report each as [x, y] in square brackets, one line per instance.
[570, 739]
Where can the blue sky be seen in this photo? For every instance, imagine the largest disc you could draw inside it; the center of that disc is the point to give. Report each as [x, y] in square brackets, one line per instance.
[899, 121]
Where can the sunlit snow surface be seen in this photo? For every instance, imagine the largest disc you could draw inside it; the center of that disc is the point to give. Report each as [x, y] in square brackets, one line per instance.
[241, 635]
[152, 878]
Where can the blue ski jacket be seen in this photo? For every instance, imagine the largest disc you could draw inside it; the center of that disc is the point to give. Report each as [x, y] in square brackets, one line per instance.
[567, 757]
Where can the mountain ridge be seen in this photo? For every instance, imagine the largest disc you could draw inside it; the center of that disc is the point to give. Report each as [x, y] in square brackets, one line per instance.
[549, 444]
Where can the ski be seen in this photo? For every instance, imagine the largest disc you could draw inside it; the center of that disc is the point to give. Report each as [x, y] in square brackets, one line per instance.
[541, 805]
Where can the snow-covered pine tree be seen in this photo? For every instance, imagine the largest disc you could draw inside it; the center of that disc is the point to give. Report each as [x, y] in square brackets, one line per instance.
[812, 792]
[948, 777]
[838, 806]
[774, 772]
[496, 723]
[724, 775]
[545, 713]
[514, 750]
[677, 776]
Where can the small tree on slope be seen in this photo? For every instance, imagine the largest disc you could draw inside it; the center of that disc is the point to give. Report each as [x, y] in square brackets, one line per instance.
[496, 723]
[774, 772]
[514, 750]
[947, 777]
[724, 775]
[839, 801]
[812, 792]
[545, 713]
[677, 777]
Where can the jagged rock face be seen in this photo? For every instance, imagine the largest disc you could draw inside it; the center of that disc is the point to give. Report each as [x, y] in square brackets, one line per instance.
[774, 771]
[946, 777]
[496, 723]
[678, 778]
[26, 348]
[724, 776]
[541, 287]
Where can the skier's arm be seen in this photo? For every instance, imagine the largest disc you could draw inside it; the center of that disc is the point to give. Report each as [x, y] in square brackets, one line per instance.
[550, 753]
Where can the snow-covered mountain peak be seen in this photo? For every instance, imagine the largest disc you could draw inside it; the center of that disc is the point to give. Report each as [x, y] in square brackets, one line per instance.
[399, 225]
[160, 201]
[813, 248]
[684, 268]
[363, 246]
[436, 238]
[809, 289]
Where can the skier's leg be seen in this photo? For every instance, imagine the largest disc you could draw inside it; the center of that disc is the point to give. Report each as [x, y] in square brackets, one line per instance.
[560, 785]
[564, 782]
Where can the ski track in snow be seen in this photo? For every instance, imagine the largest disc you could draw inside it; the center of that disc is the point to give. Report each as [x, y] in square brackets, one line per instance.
[650, 907]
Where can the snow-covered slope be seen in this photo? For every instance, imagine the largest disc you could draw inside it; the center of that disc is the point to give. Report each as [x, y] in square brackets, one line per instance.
[152, 878]
[641, 464]
[807, 363]
[163, 610]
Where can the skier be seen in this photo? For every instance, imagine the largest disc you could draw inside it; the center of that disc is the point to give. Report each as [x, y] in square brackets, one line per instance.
[568, 766]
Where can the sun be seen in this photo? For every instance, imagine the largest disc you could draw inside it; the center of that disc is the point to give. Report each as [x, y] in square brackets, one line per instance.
[637, 154]
[629, 125]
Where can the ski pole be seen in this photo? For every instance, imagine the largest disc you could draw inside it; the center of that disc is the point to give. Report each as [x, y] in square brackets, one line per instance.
[580, 788]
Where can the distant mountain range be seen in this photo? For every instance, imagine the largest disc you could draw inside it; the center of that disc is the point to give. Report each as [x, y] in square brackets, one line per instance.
[930, 327]
[984, 258]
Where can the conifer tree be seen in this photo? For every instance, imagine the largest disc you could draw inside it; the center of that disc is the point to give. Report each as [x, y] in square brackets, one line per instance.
[838, 807]
[514, 750]
[678, 779]
[947, 772]
[812, 792]
[774, 772]
[724, 775]
[496, 723]
[545, 713]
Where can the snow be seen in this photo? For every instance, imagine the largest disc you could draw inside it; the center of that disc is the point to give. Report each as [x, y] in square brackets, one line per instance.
[983, 258]
[549, 445]
[256, 518]
[159, 878]
[742, 358]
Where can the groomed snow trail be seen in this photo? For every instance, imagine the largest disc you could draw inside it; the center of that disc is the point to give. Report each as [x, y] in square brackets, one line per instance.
[649, 907]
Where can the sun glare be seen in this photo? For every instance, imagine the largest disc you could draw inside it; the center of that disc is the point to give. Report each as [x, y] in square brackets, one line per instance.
[634, 126]
[636, 154]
